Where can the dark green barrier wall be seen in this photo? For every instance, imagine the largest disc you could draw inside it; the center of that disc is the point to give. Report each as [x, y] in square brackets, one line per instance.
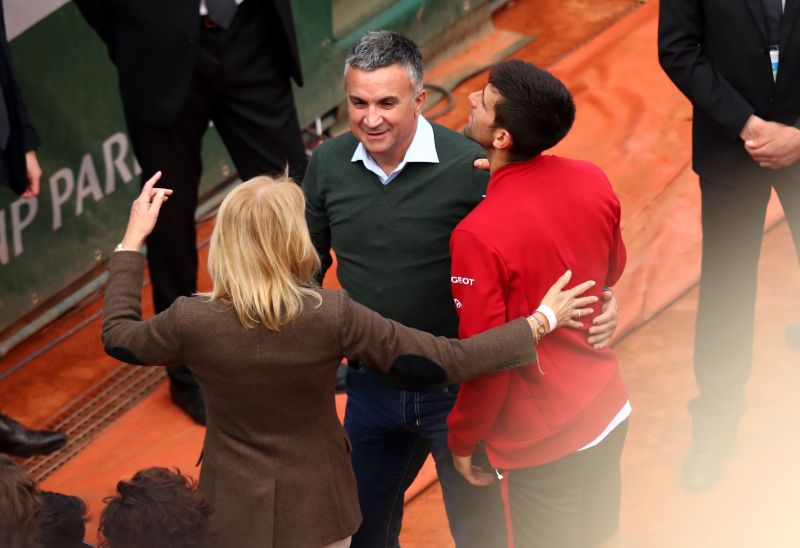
[90, 174]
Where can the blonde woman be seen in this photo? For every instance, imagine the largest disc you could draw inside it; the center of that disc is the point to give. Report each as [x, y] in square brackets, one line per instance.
[265, 345]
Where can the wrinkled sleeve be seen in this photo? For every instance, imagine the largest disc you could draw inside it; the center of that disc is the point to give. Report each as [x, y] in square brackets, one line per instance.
[479, 280]
[418, 358]
[126, 336]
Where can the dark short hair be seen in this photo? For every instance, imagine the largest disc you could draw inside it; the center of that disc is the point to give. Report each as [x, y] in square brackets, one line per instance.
[535, 107]
[383, 48]
[156, 507]
[20, 506]
[63, 521]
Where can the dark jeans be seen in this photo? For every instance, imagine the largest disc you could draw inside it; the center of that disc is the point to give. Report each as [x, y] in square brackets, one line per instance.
[733, 216]
[239, 82]
[569, 503]
[392, 431]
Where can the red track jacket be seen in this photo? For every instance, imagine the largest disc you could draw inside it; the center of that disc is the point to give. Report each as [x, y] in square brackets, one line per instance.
[538, 219]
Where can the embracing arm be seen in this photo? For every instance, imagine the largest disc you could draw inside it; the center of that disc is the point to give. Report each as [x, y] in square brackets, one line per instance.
[419, 358]
[605, 324]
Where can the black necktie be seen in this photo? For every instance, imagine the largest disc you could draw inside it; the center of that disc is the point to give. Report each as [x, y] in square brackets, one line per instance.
[773, 11]
[222, 12]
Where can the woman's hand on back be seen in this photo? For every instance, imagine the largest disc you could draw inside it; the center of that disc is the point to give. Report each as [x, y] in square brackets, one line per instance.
[567, 304]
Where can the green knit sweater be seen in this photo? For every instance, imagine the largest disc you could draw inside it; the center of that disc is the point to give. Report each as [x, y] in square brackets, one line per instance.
[392, 242]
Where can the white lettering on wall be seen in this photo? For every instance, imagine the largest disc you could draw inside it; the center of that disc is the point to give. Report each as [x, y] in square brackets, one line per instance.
[18, 223]
[59, 197]
[120, 141]
[88, 183]
[23, 211]
[118, 161]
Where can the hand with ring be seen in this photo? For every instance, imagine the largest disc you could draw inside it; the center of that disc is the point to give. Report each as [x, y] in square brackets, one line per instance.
[569, 304]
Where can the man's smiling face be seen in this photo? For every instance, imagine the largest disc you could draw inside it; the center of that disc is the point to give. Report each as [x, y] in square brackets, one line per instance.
[383, 108]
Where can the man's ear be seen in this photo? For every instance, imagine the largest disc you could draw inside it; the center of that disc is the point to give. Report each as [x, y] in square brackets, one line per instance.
[419, 102]
[502, 139]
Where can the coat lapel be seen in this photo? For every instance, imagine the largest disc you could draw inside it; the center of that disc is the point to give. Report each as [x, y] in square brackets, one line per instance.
[758, 12]
[787, 21]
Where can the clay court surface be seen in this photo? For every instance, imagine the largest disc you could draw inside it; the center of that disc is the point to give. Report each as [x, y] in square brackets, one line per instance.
[634, 124]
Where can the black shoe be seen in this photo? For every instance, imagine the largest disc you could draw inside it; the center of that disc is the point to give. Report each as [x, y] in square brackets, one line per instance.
[793, 336]
[190, 399]
[706, 461]
[19, 441]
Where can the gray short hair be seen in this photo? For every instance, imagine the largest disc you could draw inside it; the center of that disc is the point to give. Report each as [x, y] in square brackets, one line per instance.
[383, 48]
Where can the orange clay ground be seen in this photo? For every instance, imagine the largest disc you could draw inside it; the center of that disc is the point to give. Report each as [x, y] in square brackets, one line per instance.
[636, 126]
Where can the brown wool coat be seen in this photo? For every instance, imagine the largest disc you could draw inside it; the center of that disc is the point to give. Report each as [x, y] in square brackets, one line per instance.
[276, 462]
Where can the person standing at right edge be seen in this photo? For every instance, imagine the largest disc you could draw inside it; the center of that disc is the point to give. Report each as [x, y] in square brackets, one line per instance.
[181, 65]
[739, 65]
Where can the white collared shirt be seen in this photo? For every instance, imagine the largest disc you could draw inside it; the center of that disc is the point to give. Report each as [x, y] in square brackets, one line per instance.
[422, 149]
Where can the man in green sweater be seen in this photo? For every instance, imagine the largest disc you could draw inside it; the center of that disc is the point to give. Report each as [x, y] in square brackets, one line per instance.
[386, 198]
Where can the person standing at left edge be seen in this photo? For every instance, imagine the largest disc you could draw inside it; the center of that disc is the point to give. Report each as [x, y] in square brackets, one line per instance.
[19, 171]
[181, 65]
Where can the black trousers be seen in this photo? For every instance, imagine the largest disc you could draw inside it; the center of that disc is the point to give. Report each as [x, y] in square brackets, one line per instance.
[733, 215]
[572, 502]
[240, 83]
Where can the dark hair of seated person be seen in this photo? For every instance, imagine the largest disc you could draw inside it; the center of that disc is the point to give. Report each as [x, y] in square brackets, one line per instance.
[156, 507]
[20, 506]
[63, 521]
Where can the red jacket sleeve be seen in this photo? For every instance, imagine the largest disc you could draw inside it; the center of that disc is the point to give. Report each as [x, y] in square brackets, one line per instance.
[479, 281]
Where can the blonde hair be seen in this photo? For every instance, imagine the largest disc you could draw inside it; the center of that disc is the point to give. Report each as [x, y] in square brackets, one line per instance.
[261, 259]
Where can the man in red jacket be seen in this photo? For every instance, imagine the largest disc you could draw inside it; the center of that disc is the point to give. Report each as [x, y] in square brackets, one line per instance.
[554, 430]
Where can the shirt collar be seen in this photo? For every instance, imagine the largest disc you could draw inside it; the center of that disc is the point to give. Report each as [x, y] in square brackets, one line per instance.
[421, 150]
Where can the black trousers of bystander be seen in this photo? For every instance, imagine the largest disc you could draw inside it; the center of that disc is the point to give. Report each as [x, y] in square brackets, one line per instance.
[241, 83]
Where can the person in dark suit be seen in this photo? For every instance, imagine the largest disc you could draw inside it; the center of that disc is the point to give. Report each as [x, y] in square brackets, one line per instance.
[265, 345]
[181, 65]
[19, 167]
[19, 171]
[738, 63]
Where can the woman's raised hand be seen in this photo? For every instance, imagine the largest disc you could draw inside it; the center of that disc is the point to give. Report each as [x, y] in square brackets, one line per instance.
[568, 305]
[144, 213]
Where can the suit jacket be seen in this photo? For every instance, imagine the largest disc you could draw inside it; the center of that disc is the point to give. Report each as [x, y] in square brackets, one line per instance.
[22, 137]
[716, 52]
[153, 44]
[276, 459]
